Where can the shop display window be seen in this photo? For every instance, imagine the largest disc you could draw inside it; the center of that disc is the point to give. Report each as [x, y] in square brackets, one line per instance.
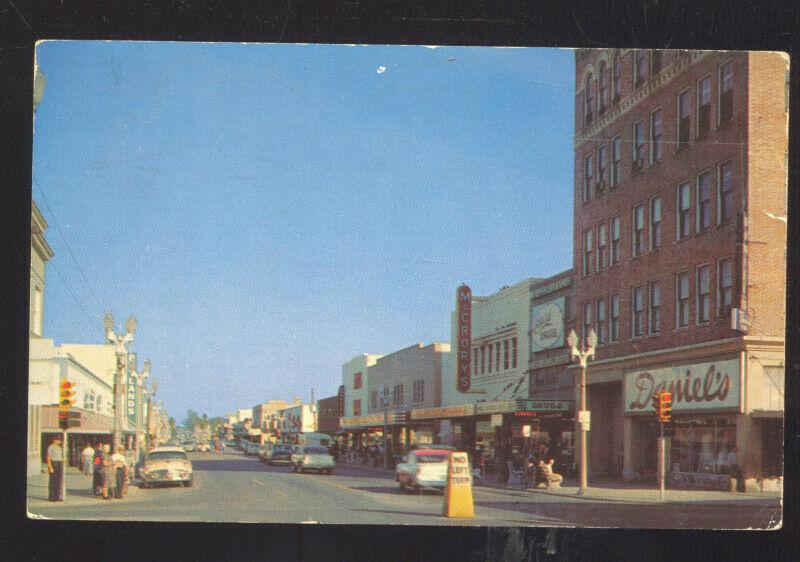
[707, 446]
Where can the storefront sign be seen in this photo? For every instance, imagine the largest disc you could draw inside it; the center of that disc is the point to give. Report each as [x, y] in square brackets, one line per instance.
[361, 421]
[544, 405]
[702, 386]
[547, 325]
[464, 335]
[458, 501]
[495, 407]
[443, 412]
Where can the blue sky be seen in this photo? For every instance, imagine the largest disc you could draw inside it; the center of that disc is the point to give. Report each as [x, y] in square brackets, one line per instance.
[269, 211]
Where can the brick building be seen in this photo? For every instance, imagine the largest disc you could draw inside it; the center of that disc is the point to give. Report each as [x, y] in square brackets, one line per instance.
[679, 256]
[330, 410]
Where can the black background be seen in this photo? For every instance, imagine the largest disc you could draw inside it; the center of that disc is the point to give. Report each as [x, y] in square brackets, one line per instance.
[649, 24]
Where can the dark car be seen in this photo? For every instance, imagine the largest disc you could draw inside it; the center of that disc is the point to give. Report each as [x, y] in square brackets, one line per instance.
[279, 453]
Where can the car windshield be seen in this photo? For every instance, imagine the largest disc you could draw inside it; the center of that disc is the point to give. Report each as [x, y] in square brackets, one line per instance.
[316, 451]
[166, 455]
[281, 448]
[431, 458]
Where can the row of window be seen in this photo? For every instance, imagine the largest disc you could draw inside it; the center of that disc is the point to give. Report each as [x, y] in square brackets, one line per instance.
[92, 402]
[396, 398]
[601, 244]
[357, 380]
[645, 301]
[608, 157]
[497, 356]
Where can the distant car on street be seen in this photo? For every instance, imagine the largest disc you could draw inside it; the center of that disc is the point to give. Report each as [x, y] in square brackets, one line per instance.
[250, 448]
[203, 447]
[423, 468]
[278, 453]
[167, 465]
[189, 446]
[435, 446]
[313, 457]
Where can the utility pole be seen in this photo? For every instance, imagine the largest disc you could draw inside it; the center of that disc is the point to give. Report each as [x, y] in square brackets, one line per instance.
[120, 348]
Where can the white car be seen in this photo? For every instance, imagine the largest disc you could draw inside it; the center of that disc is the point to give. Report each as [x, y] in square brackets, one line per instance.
[167, 465]
[203, 447]
[423, 468]
[312, 457]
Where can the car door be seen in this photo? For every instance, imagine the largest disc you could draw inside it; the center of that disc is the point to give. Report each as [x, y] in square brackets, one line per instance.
[404, 468]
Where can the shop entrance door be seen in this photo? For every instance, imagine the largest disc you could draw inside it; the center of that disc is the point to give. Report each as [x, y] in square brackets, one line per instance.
[772, 447]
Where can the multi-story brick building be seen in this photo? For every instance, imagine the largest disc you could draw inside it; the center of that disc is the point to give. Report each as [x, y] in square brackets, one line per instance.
[679, 256]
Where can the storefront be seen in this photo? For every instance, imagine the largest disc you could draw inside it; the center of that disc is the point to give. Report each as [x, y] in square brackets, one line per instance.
[94, 429]
[705, 440]
[443, 424]
[361, 431]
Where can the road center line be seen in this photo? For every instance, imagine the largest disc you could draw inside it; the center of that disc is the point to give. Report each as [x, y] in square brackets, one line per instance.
[282, 494]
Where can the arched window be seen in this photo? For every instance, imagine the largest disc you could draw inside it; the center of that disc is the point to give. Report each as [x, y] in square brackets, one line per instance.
[589, 100]
[601, 88]
[616, 79]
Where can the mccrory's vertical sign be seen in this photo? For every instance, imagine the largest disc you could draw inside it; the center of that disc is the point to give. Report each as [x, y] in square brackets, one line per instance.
[464, 334]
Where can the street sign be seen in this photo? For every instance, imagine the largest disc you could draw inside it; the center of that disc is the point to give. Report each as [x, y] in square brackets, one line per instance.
[458, 500]
[544, 405]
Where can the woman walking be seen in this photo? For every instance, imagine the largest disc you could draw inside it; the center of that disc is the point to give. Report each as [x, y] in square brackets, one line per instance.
[118, 463]
[108, 480]
[97, 469]
[87, 458]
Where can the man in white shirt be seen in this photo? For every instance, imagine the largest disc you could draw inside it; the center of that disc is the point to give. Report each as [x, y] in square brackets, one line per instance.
[87, 458]
[55, 468]
[119, 462]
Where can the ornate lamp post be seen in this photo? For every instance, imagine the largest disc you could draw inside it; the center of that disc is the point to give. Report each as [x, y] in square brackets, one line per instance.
[120, 347]
[141, 376]
[583, 354]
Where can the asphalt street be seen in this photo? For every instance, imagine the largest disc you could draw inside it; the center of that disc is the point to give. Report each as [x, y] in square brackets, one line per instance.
[232, 487]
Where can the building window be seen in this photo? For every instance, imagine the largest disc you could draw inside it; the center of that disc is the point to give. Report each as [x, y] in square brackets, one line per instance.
[682, 293]
[489, 358]
[703, 298]
[684, 119]
[655, 61]
[614, 240]
[703, 107]
[483, 359]
[726, 93]
[601, 169]
[616, 157]
[655, 136]
[475, 355]
[589, 100]
[616, 79]
[505, 354]
[588, 245]
[724, 288]
[514, 353]
[602, 88]
[587, 319]
[357, 382]
[601, 320]
[725, 193]
[638, 67]
[37, 311]
[587, 178]
[419, 391]
[602, 242]
[655, 223]
[614, 335]
[373, 400]
[684, 210]
[357, 407]
[638, 146]
[703, 201]
[655, 307]
[638, 230]
[497, 355]
[638, 312]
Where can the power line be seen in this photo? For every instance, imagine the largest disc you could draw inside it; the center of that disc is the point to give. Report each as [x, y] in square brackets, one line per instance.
[64, 239]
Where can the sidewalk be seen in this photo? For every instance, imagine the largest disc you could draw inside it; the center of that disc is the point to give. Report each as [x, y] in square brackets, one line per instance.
[78, 487]
[615, 492]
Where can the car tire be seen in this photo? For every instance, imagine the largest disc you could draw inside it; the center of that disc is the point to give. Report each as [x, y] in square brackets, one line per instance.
[145, 485]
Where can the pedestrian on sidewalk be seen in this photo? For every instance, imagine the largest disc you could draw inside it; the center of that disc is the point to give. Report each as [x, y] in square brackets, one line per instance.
[120, 468]
[87, 458]
[97, 468]
[107, 480]
[55, 470]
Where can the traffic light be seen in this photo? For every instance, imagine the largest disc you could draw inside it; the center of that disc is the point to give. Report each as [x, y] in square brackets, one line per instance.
[69, 419]
[665, 406]
[65, 395]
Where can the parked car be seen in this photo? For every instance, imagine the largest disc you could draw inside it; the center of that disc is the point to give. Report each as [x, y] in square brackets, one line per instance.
[312, 457]
[167, 465]
[251, 448]
[278, 454]
[435, 446]
[189, 446]
[203, 447]
[423, 468]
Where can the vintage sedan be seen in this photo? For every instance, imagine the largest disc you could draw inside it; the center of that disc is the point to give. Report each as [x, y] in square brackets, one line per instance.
[313, 457]
[167, 465]
[278, 453]
[423, 468]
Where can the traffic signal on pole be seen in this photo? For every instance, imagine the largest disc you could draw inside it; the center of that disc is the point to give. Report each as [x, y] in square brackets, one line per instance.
[665, 406]
[656, 398]
[69, 419]
[66, 394]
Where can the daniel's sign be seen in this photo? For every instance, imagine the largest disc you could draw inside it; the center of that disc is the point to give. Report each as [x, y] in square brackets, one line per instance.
[702, 386]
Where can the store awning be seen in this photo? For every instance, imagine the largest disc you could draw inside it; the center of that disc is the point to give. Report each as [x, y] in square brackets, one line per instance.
[443, 412]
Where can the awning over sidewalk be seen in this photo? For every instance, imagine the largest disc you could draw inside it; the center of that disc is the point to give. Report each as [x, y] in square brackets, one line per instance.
[91, 422]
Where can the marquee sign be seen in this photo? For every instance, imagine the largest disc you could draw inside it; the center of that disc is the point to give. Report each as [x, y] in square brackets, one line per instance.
[702, 386]
[464, 337]
[495, 407]
[443, 412]
[547, 325]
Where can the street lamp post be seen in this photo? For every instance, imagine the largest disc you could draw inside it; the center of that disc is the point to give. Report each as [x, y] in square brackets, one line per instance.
[140, 378]
[120, 347]
[583, 354]
[385, 402]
